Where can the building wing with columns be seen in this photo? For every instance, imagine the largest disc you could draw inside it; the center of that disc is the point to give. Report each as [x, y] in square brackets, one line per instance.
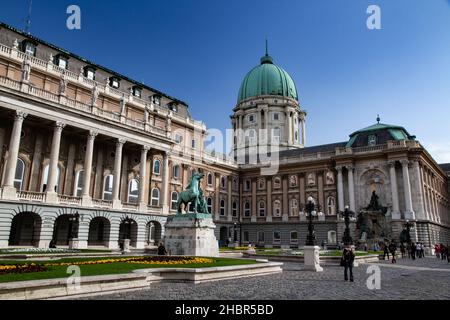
[82, 144]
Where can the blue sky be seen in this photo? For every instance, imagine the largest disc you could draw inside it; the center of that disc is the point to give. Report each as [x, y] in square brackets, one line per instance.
[199, 51]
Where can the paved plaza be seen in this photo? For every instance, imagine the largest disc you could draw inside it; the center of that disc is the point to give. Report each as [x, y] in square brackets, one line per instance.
[427, 278]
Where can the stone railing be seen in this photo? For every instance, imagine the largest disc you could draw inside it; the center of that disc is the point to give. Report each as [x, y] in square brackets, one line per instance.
[69, 200]
[99, 203]
[30, 196]
[130, 206]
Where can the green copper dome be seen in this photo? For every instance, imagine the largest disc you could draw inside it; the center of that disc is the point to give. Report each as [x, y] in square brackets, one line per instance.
[267, 79]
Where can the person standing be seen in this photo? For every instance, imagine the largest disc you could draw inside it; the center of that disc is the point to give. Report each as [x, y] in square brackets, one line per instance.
[393, 249]
[442, 251]
[437, 251]
[348, 257]
[413, 251]
[402, 249]
[385, 251]
[162, 250]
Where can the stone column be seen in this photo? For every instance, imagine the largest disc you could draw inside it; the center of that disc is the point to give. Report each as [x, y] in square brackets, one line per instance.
[340, 189]
[269, 200]
[230, 198]
[254, 207]
[36, 164]
[303, 132]
[117, 204]
[351, 188]
[418, 194]
[321, 193]
[86, 196]
[143, 178]
[165, 184]
[217, 196]
[285, 205]
[51, 194]
[288, 127]
[9, 192]
[394, 191]
[69, 187]
[409, 214]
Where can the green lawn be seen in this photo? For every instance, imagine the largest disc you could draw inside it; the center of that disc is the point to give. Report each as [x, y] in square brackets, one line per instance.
[3, 252]
[334, 253]
[104, 269]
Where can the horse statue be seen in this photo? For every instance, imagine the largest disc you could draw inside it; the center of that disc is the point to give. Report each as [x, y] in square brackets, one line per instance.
[193, 194]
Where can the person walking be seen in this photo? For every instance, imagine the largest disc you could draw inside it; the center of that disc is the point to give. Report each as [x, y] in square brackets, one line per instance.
[162, 250]
[413, 251]
[347, 259]
[393, 249]
[402, 249]
[437, 251]
[442, 251]
[418, 250]
[446, 253]
[385, 251]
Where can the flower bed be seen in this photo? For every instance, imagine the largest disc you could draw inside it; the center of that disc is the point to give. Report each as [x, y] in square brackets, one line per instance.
[26, 268]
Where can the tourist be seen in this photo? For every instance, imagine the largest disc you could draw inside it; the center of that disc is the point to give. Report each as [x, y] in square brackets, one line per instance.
[402, 249]
[442, 251]
[162, 250]
[413, 251]
[423, 249]
[437, 251]
[385, 251]
[393, 249]
[348, 257]
[366, 247]
[418, 250]
[52, 244]
[446, 253]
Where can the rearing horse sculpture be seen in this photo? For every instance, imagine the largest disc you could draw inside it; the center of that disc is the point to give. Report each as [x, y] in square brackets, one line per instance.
[191, 194]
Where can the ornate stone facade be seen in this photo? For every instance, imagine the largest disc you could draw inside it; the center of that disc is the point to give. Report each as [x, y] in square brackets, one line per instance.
[113, 150]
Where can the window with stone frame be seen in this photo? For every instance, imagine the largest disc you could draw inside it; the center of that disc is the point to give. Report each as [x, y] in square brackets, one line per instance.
[294, 236]
[234, 211]
[133, 191]
[174, 201]
[176, 171]
[262, 208]
[222, 207]
[247, 209]
[108, 187]
[155, 197]
[247, 185]
[277, 237]
[372, 140]
[261, 184]
[261, 238]
[19, 174]
[277, 183]
[246, 236]
[29, 47]
[293, 181]
[294, 207]
[331, 205]
[223, 182]
[209, 179]
[157, 167]
[277, 208]
[209, 204]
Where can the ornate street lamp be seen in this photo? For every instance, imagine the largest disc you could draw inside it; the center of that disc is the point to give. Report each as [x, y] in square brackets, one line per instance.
[235, 233]
[311, 238]
[127, 222]
[347, 239]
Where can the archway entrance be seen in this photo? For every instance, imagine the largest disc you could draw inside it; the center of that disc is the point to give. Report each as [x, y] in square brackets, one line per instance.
[153, 233]
[128, 230]
[223, 236]
[66, 227]
[99, 229]
[25, 229]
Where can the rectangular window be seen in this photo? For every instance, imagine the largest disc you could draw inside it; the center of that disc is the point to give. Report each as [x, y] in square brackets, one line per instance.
[276, 116]
[276, 237]
[137, 92]
[62, 62]
[247, 185]
[251, 118]
[30, 49]
[246, 236]
[194, 144]
[90, 74]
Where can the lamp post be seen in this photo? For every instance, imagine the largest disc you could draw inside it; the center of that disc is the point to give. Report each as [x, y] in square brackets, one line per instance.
[347, 239]
[310, 238]
[408, 226]
[235, 232]
[73, 220]
[127, 222]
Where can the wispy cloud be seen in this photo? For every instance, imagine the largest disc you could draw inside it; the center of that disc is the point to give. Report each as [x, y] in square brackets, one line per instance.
[440, 151]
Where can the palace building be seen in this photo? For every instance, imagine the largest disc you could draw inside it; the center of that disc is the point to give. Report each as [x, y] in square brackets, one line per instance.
[91, 154]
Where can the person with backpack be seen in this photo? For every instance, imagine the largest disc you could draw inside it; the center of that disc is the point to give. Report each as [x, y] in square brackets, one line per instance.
[347, 259]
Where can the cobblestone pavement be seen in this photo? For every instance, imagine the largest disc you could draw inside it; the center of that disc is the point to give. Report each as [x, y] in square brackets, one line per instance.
[427, 278]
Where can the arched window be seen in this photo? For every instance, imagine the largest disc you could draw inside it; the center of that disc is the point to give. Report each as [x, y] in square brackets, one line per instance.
[294, 207]
[277, 208]
[210, 179]
[222, 207]
[157, 167]
[247, 209]
[176, 172]
[108, 187]
[45, 179]
[174, 201]
[331, 205]
[155, 197]
[235, 209]
[133, 191]
[79, 180]
[18, 177]
[262, 208]
[209, 205]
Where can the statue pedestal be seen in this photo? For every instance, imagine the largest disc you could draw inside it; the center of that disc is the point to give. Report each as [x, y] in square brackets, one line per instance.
[191, 234]
[311, 258]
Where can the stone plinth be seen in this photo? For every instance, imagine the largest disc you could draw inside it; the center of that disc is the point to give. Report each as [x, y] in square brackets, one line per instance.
[126, 245]
[311, 258]
[191, 234]
[74, 244]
